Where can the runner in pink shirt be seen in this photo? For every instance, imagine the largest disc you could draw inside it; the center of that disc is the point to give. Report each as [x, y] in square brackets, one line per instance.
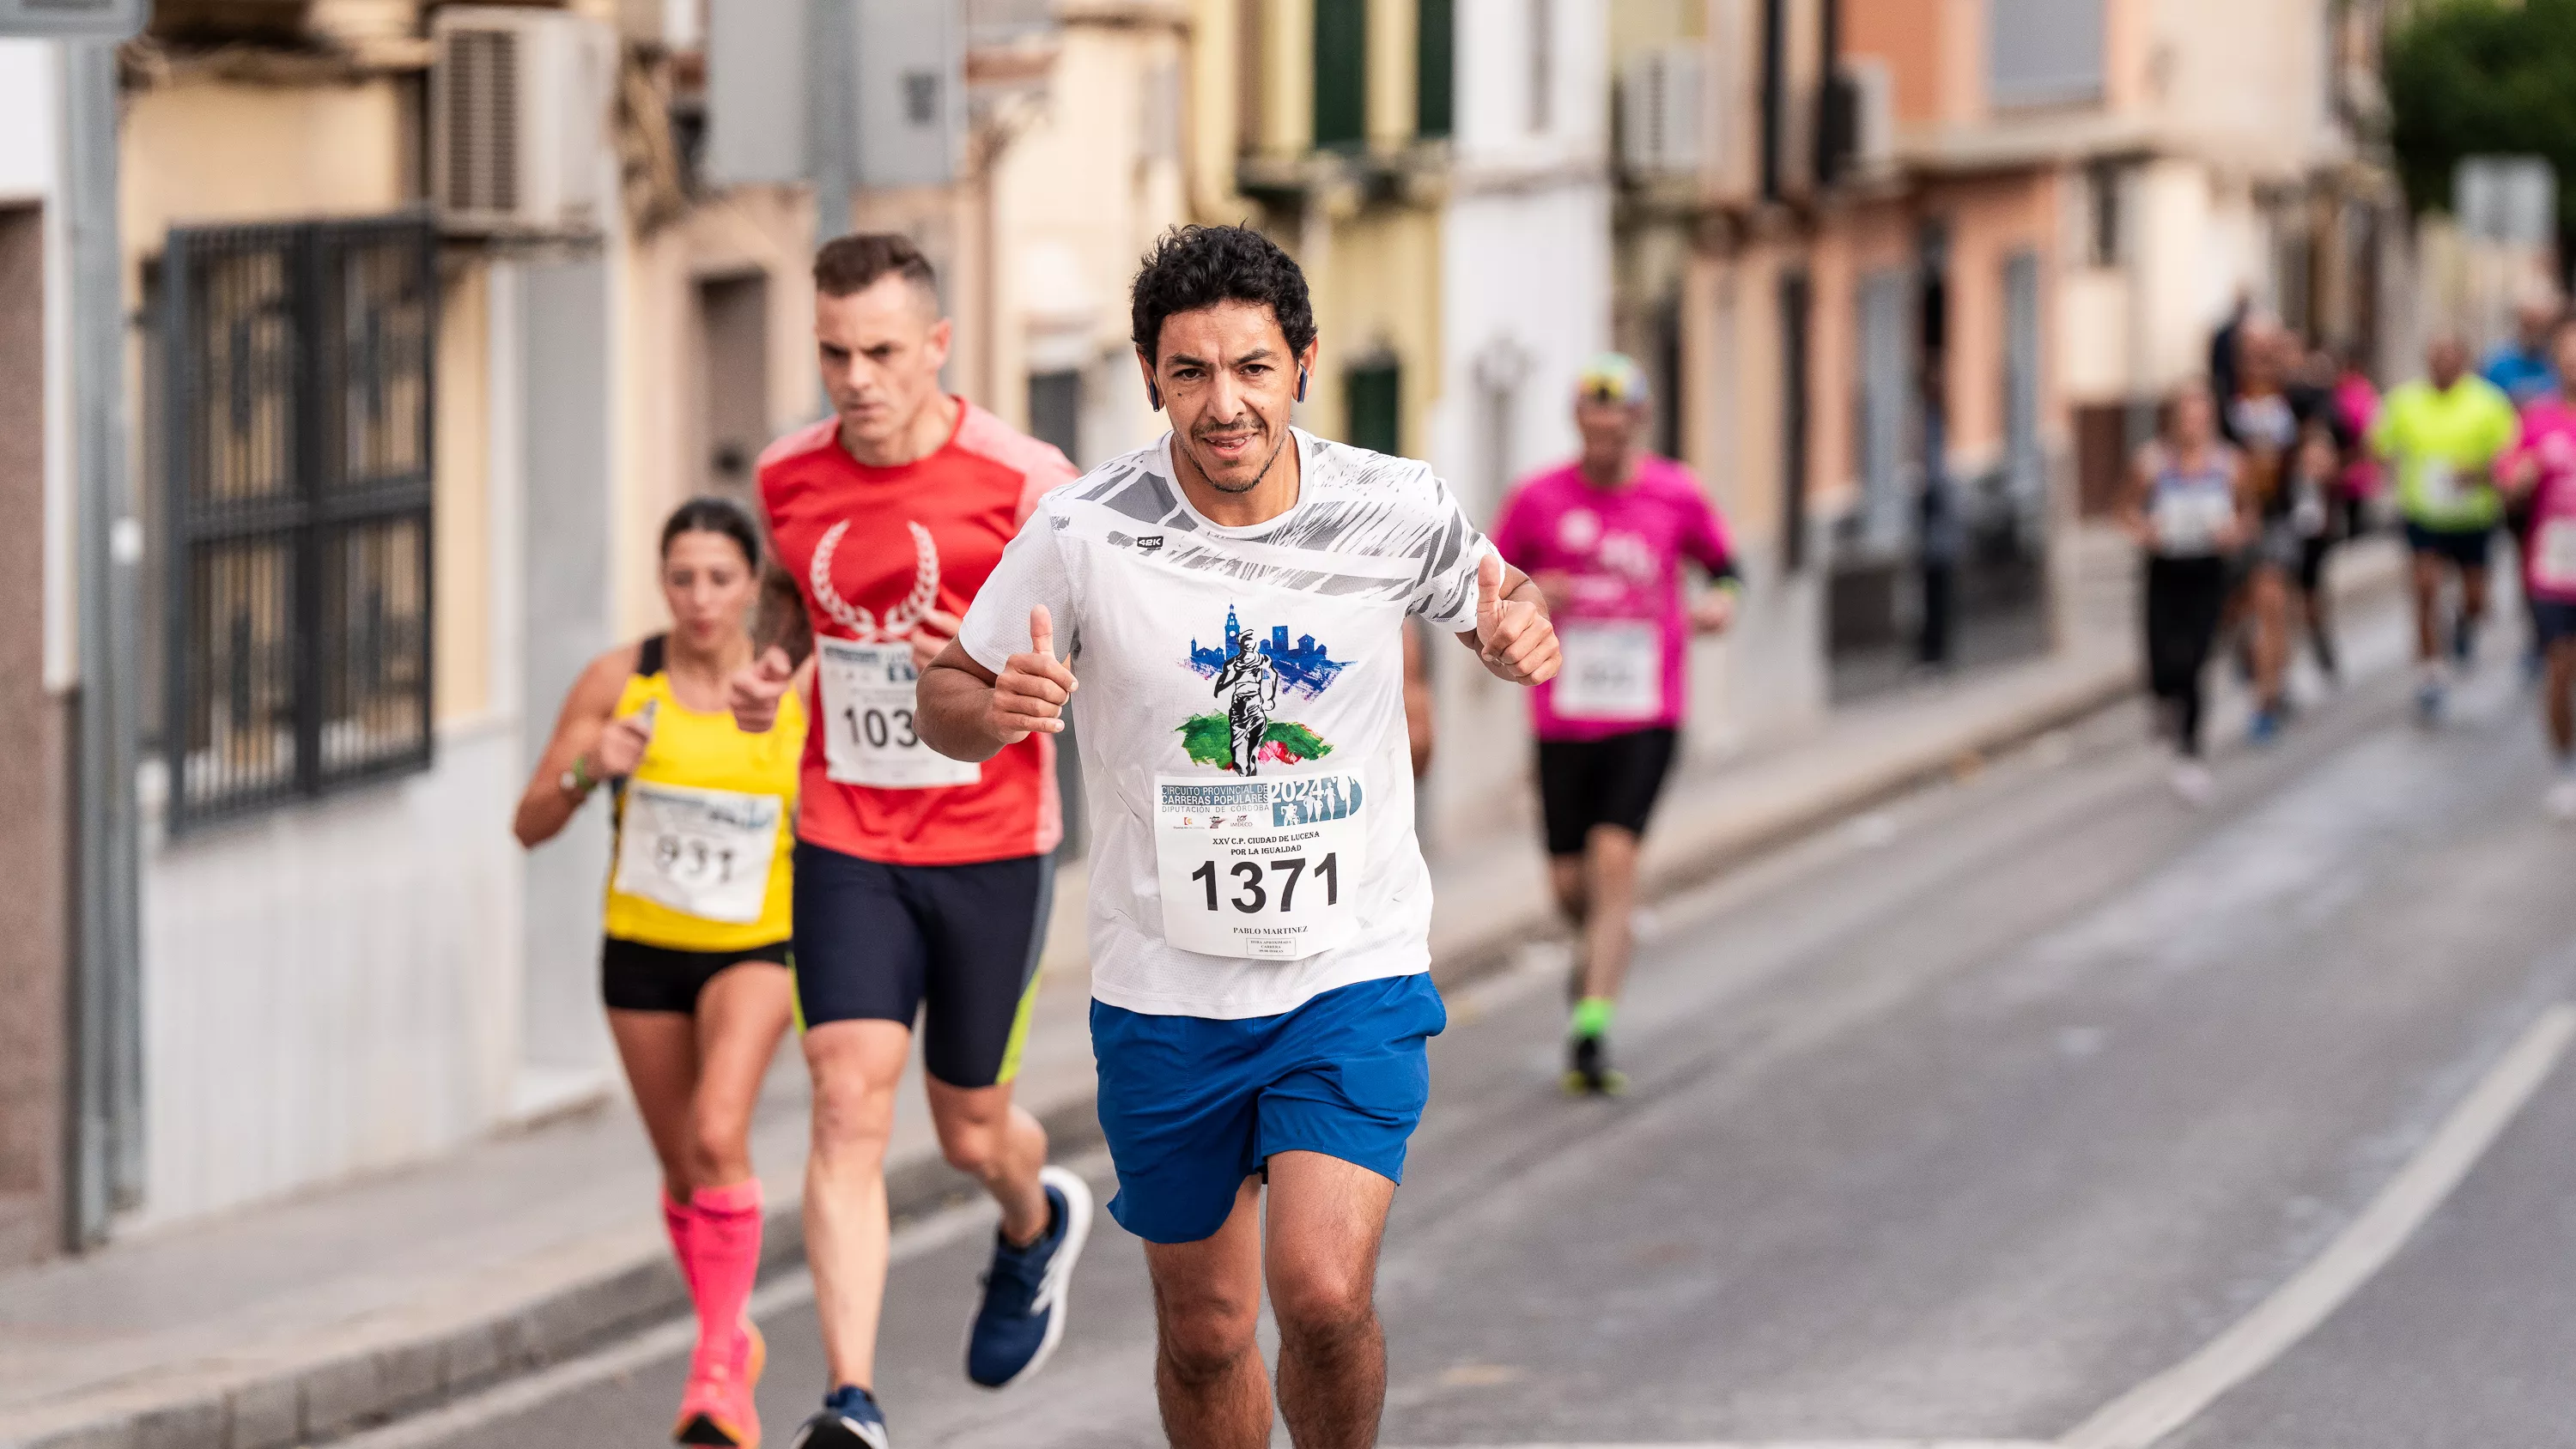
[1605, 537]
[2541, 469]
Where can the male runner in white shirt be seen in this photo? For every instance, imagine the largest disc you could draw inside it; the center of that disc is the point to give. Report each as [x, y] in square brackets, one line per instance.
[1260, 912]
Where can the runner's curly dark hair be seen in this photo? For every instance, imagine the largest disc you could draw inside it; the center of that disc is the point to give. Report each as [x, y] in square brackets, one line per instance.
[1192, 267]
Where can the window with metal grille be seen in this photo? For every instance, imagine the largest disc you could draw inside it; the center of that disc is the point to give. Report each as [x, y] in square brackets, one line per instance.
[295, 417]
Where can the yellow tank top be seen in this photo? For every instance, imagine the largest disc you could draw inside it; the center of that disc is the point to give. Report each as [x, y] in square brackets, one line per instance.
[705, 825]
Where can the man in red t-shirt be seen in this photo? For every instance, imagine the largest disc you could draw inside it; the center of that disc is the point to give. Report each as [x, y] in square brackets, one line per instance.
[919, 880]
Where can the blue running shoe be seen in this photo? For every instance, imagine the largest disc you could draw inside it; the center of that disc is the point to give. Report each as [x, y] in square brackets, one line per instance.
[2428, 704]
[1024, 1291]
[850, 1420]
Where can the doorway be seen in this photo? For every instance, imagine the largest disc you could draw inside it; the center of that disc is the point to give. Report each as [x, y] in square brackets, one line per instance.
[733, 333]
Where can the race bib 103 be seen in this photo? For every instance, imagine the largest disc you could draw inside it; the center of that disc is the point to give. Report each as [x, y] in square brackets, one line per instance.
[1267, 869]
[870, 736]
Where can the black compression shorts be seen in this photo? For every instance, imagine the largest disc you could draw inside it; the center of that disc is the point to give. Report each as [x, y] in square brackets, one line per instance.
[955, 946]
[637, 977]
[1608, 781]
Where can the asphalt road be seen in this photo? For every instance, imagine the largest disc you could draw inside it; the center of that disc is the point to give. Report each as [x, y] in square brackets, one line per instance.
[1957, 1122]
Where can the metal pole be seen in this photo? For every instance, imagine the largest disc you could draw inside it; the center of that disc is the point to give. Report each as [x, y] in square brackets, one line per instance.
[830, 117]
[107, 1137]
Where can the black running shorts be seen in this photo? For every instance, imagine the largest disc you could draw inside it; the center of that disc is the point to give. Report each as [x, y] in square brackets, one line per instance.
[954, 946]
[1608, 781]
[637, 977]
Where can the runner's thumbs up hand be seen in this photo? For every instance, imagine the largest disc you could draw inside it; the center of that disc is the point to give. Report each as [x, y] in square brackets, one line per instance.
[1030, 693]
[1513, 636]
[756, 688]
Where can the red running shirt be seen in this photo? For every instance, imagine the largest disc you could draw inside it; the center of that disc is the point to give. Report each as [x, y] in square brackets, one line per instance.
[931, 529]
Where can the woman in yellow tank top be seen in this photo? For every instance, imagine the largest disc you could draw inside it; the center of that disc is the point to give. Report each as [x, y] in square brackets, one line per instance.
[694, 968]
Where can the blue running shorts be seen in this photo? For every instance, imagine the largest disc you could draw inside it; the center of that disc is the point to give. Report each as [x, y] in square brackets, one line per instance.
[1193, 1106]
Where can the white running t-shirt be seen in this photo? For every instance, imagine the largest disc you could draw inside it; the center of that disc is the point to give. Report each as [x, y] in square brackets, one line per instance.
[1241, 720]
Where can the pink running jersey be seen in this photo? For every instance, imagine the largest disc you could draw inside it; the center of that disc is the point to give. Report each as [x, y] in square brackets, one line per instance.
[2549, 550]
[1625, 629]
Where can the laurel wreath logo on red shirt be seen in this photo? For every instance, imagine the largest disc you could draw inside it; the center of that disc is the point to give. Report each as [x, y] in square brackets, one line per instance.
[899, 620]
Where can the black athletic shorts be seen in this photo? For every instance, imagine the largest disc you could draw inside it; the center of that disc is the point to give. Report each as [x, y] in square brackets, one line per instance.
[637, 977]
[2464, 547]
[955, 946]
[1608, 781]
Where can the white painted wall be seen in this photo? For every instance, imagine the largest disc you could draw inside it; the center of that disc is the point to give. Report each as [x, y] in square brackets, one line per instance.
[332, 987]
[31, 160]
[1525, 298]
[29, 139]
[2244, 82]
[1493, 85]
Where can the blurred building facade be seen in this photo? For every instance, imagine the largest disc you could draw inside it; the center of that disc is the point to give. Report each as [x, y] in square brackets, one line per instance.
[1917, 270]
[38, 681]
[434, 311]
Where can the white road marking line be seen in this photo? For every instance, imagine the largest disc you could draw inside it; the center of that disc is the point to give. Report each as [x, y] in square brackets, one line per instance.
[2175, 1397]
[1805, 1444]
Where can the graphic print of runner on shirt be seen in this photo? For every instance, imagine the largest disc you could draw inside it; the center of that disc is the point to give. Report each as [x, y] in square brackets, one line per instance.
[1255, 683]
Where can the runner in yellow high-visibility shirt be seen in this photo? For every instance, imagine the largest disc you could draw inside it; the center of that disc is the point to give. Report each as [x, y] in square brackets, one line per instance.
[2442, 435]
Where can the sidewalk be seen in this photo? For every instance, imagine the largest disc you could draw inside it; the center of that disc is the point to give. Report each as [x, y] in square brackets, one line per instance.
[304, 1321]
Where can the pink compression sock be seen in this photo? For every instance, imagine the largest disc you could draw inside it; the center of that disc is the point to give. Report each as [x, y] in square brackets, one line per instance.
[726, 1242]
[679, 1220]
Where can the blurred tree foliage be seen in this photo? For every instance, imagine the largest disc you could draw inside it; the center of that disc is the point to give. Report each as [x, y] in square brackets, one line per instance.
[2482, 77]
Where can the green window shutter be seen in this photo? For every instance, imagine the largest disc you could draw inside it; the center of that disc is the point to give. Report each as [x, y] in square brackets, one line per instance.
[1373, 394]
[1341, 73]
[1435, 83]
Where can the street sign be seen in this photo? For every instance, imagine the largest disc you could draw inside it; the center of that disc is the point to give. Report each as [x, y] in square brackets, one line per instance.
[73, 19]
[2511, 200]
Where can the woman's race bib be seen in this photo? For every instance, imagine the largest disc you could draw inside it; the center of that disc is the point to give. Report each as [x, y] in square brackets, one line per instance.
[1268, 869]
[2308, 508]
[703, 853]
[2553, 554]
[2189, 520]
[1612, 671]
[870, 734]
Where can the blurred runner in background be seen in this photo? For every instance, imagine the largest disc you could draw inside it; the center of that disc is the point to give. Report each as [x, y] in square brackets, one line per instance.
[2442, 436]
[1605, 537]
[2265, 428]
[922, 884]
[2356, 408]
[694, 968]
[2186, 508]
[2541, 472]
[2522, 365]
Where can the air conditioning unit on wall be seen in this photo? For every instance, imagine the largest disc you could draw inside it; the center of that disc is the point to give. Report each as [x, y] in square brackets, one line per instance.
[1660, 111]
[1873, 88]
[519, 105]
